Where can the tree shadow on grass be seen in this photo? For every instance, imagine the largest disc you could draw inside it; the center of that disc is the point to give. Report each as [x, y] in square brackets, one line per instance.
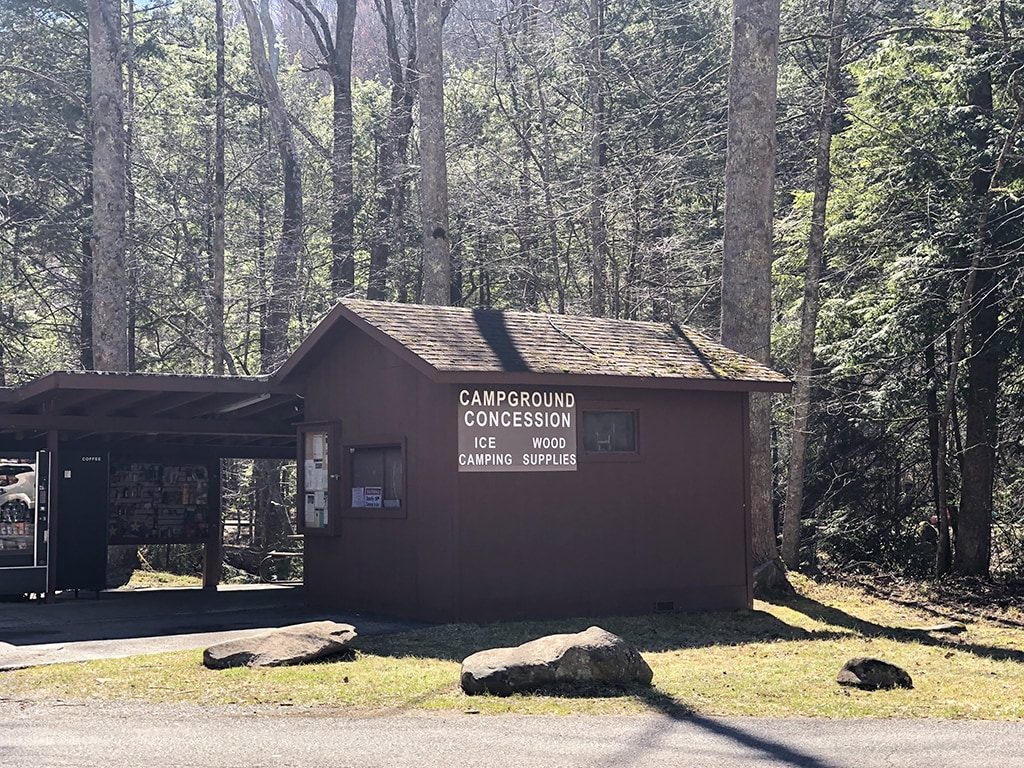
[829, 614]
[651, 634]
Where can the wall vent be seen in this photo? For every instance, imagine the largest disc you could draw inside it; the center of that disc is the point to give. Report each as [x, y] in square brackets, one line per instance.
[664, 606]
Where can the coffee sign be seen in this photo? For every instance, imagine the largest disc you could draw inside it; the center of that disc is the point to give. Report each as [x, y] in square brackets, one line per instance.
[516, 430]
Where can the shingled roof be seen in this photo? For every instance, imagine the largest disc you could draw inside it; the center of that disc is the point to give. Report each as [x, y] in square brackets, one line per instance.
[456, 340]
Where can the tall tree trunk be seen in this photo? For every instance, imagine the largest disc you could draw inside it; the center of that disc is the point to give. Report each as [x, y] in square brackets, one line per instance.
[528, 281]
[215, 300]
[283, 281]
[974, 520]
[108, 246]
[387, 242]
[659, 279]
[964, 312]
[131, 252]
[85, 355]
[747, 247]
[343, 266]
[932, 402]
[812, 279]
[598, 160]
[433, 164]
[109, 288]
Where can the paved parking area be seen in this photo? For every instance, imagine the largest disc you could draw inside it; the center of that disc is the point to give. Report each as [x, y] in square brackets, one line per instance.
[118, 624]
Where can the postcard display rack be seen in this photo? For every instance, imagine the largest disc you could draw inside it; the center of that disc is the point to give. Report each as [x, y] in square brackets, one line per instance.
[153, 503]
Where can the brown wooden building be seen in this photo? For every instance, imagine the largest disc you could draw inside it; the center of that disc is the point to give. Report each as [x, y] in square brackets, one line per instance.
[460, 464]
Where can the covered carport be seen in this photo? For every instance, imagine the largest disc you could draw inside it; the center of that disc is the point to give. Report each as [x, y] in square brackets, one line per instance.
[84, 426]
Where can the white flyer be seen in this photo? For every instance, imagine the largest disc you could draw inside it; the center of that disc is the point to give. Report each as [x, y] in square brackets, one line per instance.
[358, 497]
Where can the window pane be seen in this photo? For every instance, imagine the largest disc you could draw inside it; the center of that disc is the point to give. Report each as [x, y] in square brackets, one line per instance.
[609, 431]
[393, 477]
[377, 475]
[368, 467]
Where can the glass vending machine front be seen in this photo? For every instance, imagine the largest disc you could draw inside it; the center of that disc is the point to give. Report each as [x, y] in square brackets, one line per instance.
[17, 513]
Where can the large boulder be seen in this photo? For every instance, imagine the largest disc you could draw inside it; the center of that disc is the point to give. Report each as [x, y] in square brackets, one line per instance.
[591, 656]
[873, 674]
[297, 644]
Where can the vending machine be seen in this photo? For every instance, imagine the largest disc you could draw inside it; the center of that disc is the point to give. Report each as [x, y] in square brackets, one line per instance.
[24, 514]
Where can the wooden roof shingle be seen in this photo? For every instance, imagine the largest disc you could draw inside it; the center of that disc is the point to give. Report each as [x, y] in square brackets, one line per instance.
[452, 340]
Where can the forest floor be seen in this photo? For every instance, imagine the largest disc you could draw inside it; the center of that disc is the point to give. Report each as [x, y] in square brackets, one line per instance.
[779, 660]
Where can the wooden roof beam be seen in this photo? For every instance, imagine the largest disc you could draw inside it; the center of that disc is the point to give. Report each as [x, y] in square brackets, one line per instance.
[145, 425]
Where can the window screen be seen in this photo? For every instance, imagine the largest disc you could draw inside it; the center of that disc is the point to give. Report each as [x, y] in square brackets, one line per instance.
[377, 477]
[609, 431]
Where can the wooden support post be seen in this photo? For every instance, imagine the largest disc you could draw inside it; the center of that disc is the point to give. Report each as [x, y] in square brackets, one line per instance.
[212, 549]
[53, 448]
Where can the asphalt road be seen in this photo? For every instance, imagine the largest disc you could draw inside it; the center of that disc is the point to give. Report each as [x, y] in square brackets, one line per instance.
[119, 735]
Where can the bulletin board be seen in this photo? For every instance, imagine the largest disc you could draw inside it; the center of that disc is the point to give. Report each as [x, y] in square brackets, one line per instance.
[315, 480]
[318, 478]
[159, 503]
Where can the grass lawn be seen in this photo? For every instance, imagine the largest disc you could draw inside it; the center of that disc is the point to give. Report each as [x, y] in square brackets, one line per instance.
[147, 579]
[779, 659]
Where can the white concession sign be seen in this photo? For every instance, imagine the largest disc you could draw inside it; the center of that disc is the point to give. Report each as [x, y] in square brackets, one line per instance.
[516, 430]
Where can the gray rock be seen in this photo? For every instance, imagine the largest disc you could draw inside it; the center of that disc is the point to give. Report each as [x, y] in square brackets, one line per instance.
[296, 644]
[872, 674]
[591, 656]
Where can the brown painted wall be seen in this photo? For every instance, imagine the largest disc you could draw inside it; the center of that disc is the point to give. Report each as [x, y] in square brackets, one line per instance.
[615, 536]
[392, 565]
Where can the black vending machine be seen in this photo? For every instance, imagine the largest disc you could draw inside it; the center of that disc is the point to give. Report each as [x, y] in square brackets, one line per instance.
[24, 515]
[82, 526]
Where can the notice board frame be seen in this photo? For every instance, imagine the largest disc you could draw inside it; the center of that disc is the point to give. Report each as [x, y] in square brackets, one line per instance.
[333, 431]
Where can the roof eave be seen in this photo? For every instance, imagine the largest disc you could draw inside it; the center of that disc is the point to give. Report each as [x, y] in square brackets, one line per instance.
[612, 381]
[122, 381]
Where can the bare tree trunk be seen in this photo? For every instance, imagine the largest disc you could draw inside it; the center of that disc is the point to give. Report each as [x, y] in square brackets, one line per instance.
[108, 246]
[131, 250]
[216, 289]
[598, 161]
[978, 459]
[343, 267]
[282, 287]
[932, 401]
[528, 286]
[812, 280]
[336, 52]
[433, 164]
[747, 248]
[387, 238]
[974, 520]
[109, 289]
[85, 355]
[942, 557]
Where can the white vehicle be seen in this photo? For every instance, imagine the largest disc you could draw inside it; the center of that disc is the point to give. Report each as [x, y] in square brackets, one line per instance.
[17, 489]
